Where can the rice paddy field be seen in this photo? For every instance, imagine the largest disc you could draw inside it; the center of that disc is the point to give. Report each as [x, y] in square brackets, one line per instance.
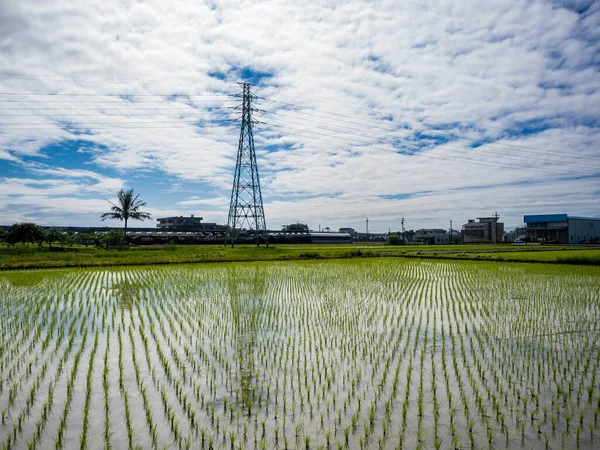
[376, 353]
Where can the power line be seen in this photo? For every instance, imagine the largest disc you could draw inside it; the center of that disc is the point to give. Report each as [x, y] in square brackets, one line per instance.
[154, 108]
[126, 114]
[56, 94]
[444, 158]
[112, 125]
[380, 125]
[370, 109]
[362, 143]
[107, 101]
[425, 133]
[396, 130]
[376, 135]
[185, 102]
[121, 80]
[480, 150]
[183, 98]
[109, 128]
[107, 80]
[372, 145]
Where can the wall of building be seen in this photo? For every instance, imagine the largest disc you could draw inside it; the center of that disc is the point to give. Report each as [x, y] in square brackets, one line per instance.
[485, 230]
[499, 237]
[562, 228]
[475, 232]
[583, 229]
[330, 238]
[442, 239]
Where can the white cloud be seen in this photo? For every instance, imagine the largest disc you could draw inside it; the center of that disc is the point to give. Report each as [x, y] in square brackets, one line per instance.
[216, 201]
[370, 75]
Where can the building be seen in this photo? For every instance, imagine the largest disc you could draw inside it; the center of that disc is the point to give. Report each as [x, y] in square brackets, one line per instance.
[431, 236]
[562, 228]
[382, 237]
[182, 223]
[330, 238]
[510, 236]
[487, 230]
[350, 231]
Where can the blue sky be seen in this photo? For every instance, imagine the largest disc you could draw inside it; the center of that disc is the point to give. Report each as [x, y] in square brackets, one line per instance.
[381, 109]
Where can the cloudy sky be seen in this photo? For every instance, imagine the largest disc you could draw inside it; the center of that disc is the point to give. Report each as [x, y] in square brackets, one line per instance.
[434, 111]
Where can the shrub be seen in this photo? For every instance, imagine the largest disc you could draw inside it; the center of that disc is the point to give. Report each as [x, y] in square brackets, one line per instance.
[395, 239]
[580, 260]
[26, 233]
[309, 255]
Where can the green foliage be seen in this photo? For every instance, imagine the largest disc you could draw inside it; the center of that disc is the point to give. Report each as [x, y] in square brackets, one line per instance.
[109, 253]
[55, 235]
[128, 208]
[111, 238]
[309, 255]
[591, 260]
[84, 239]
[297, 227]
[26, 232]
[395, 239]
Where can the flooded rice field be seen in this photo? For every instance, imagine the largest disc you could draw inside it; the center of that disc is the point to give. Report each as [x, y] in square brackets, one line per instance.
[357, 354]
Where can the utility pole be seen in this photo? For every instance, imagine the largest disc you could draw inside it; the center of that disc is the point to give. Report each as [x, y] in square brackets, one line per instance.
[367, 228]
[451, 235]
[246, 206]
[402, 222]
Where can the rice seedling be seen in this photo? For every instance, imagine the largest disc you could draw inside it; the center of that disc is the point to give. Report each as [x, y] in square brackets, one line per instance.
[349, 354]
[86, 407]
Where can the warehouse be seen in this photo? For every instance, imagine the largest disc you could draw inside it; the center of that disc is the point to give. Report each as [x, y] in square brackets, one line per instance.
[562, 228]
[330, 238]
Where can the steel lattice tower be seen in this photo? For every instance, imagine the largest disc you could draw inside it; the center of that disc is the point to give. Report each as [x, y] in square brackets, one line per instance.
[246, 207]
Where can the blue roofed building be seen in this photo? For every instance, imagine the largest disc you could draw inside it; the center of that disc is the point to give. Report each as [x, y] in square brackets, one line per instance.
[562, 228]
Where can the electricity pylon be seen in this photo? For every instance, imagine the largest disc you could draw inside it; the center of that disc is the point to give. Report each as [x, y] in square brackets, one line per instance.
[246, 210]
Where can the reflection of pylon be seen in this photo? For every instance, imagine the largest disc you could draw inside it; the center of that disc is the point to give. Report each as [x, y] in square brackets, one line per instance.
[246, 208]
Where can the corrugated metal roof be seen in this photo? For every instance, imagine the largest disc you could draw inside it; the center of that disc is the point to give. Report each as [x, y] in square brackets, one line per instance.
[584, 218]
[332, 235]
[541, 218]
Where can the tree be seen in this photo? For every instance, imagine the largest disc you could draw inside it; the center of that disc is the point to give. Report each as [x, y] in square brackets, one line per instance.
[395, 239]
[112, 238]
[85, 239]
[297, 227]
[25, 232]
[128, 208]
[54, 235]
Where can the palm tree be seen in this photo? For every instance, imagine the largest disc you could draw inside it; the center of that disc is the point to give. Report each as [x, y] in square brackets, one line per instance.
[128, 208]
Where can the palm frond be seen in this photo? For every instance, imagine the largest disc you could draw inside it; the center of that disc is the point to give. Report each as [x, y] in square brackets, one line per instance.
[127, 207]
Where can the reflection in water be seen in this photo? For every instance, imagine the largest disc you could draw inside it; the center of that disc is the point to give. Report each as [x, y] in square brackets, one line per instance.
[245, 299]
